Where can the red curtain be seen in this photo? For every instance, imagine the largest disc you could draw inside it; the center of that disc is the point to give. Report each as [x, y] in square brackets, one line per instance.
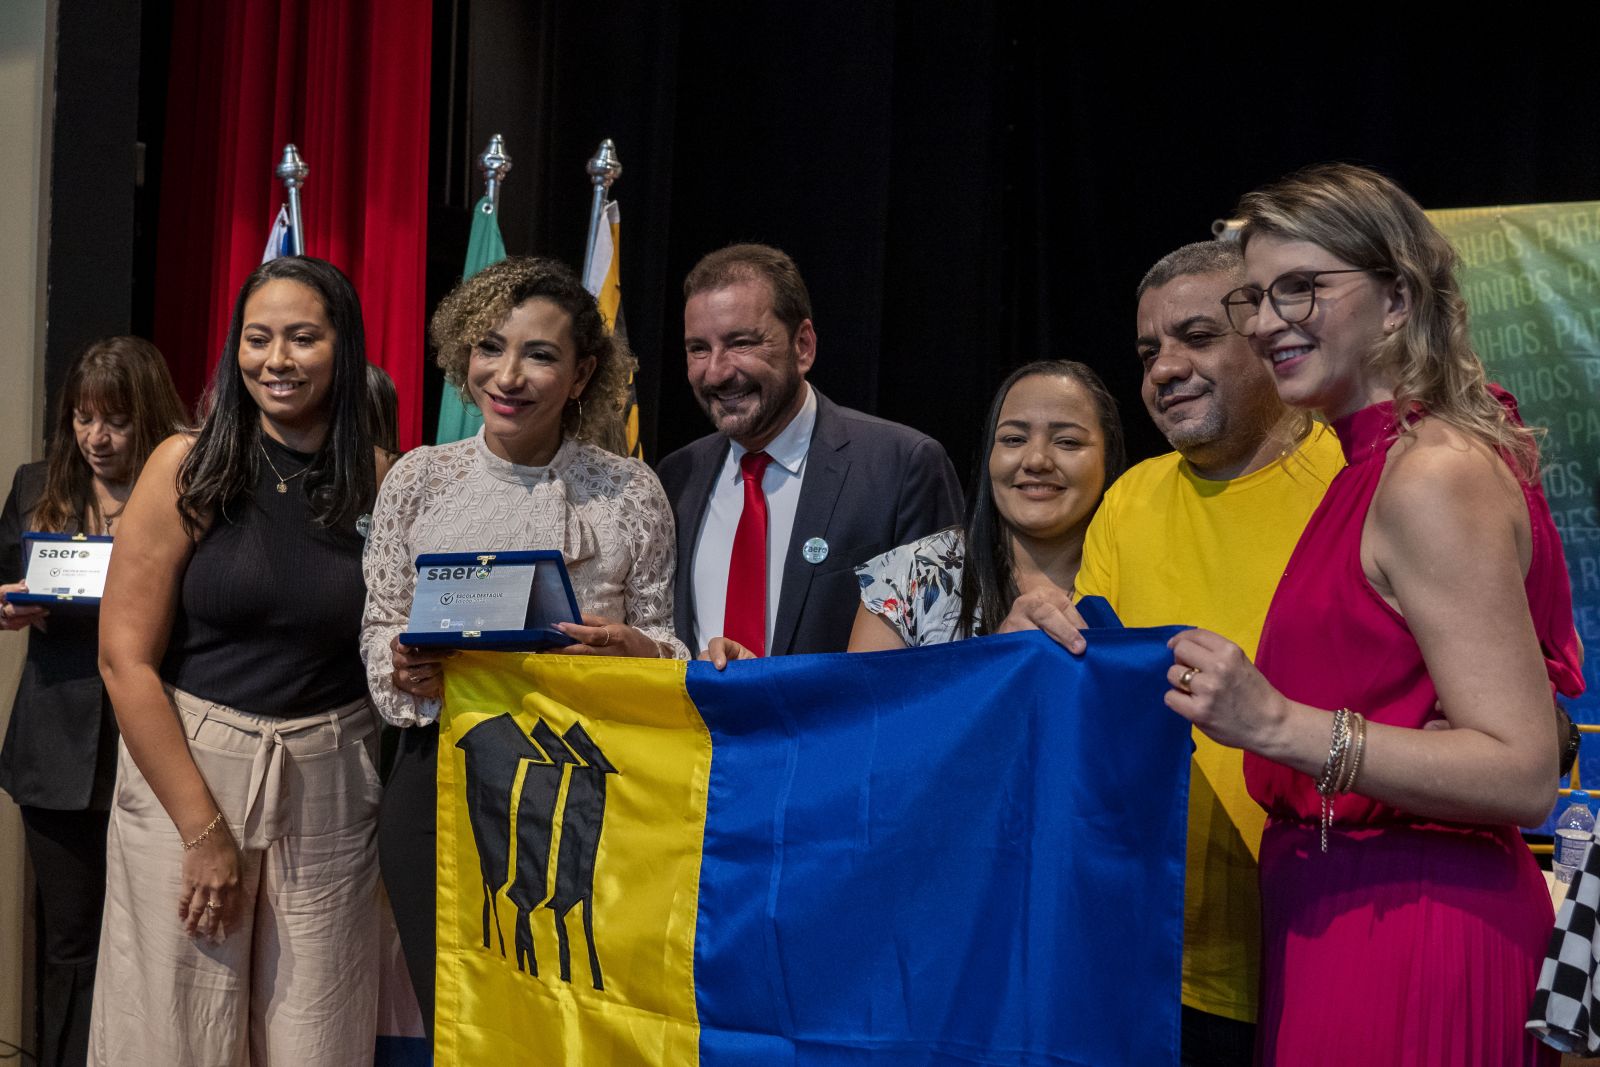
[347, 82]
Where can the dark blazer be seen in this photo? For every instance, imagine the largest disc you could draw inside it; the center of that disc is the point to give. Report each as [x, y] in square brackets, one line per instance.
[60, 747]
[869, 486]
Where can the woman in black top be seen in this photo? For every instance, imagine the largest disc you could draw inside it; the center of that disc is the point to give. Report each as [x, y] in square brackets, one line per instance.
[59, 757]
[247, 795]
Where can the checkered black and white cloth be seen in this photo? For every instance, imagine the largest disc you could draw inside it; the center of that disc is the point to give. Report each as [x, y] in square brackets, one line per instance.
[1566, 1008]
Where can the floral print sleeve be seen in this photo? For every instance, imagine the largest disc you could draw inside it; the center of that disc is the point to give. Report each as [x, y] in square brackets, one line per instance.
[916, 588]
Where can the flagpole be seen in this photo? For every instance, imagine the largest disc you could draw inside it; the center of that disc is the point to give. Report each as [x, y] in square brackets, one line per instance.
[495, 164]
[603, 169]
[292, 171]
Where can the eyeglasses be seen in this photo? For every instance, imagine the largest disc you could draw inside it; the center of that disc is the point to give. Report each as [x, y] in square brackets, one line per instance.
[1293, 296]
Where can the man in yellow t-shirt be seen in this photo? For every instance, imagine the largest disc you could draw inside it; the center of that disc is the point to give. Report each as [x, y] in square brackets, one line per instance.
[1200, 537]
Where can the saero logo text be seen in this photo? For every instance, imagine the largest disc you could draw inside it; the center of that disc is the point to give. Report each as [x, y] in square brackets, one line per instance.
[454, 574]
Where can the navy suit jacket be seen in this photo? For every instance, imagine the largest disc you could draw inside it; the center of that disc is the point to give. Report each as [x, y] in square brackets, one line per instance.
[869, 486]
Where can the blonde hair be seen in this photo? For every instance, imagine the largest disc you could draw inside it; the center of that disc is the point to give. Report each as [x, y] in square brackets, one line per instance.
[1370, 222]
[482, 302]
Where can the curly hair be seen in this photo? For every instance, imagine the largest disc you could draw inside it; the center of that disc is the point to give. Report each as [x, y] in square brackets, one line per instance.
[1369, 222]
[480, 303]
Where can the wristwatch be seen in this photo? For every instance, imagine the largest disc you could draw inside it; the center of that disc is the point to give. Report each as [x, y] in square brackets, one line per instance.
[1570, 743]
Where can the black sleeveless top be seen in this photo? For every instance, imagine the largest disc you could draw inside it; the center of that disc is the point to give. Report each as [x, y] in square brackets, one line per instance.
[269, 614]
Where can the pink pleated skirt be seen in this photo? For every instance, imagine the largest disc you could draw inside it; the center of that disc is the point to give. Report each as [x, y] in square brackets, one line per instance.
[1404, 945]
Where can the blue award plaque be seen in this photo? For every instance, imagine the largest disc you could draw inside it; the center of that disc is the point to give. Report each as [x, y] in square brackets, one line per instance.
[64, 571]
[499, 601]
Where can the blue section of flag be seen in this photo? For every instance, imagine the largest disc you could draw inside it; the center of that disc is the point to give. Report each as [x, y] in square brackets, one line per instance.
[955, 855]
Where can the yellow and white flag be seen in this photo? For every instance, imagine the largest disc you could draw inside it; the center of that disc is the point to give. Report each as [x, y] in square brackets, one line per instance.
[604, 281]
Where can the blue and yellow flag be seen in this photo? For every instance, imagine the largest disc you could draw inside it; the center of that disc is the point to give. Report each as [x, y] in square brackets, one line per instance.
[964, 854]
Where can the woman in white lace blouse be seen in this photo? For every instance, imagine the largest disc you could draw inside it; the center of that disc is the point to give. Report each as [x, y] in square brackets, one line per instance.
[524, 342]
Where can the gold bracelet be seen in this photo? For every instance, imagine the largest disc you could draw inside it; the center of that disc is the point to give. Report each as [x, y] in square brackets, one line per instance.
[210, 826]
[1358, 746]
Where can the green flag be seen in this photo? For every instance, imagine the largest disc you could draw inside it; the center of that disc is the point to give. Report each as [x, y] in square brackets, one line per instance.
[458, 420]
[1531, 275]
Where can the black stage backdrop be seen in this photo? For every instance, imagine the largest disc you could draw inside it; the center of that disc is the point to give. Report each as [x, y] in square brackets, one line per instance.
[966, 186]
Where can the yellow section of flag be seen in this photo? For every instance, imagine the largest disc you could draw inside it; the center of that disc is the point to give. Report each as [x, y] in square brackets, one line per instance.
[572, 801]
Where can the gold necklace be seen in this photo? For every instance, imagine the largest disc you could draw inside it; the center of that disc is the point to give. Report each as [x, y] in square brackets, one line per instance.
[283, 483]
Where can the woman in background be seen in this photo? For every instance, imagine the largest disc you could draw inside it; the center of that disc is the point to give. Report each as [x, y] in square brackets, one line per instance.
[59, 759]
[383, 410]
[240, 918]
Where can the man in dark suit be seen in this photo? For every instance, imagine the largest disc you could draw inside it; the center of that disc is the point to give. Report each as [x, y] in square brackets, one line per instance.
[777, 507]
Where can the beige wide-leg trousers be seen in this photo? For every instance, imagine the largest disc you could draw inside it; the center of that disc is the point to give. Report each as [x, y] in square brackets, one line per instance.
[296, 983]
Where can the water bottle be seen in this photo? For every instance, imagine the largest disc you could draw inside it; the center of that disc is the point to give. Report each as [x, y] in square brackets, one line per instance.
[1574, 831]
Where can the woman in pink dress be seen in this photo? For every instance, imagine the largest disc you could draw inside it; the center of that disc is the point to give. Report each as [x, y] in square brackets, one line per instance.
[1404, 920]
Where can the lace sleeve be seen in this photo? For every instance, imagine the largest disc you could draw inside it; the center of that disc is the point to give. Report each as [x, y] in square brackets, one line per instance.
[647, 597]
[391, 579]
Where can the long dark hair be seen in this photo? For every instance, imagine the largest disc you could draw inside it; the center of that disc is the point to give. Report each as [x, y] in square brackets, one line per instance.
[115, 376]
[222, 467]
[987, 583]
[383, 410]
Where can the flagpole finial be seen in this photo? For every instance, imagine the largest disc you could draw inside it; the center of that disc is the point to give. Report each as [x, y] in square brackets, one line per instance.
[292, 172]
[605, 166]
[495, 164]
[291, 169]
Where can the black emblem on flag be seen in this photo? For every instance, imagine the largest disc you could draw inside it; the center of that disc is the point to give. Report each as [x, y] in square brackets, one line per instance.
[496, 749]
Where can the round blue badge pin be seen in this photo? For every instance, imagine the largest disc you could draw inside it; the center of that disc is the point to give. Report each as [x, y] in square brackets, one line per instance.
[815, 550]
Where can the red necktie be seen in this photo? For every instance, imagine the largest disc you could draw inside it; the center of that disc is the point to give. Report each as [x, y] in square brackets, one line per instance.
[745, 617]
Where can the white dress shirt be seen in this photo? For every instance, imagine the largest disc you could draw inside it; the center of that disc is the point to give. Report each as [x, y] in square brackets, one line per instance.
[714, 549]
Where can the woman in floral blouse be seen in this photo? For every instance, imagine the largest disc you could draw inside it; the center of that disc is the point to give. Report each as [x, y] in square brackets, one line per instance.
[1055, 444]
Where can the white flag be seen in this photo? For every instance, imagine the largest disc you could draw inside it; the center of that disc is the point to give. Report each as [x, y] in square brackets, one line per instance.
[280, 242]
